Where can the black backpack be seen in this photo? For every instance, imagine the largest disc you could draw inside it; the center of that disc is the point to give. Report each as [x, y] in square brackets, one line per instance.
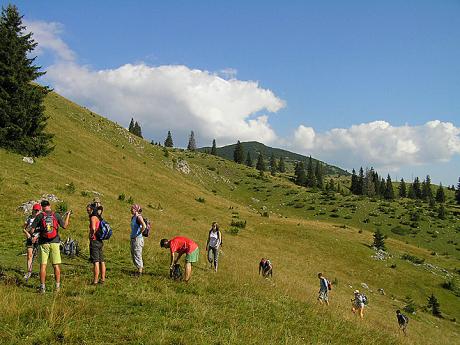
[176, 272]
[70, 247]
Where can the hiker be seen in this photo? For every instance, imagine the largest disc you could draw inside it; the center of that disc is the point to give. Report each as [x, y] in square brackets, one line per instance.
[179, 246]
[47, 224]
[266, 267]
[137, 240]
[213, 244]
[358, 304]
[31, 240]
[323, 289]
[403, 320]
[96, 245]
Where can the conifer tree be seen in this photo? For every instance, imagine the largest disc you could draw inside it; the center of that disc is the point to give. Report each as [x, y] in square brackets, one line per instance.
[214, 148]
[191, 142]
[137, 130]
[417, 189]
[382, 187]
[426, 189]
[441, 212]
[311, 179]
[440, 194]
[360, 188]
[281, 165]
[238, 153]
[369, 185]
[354, 182]
[273, 167]
[457, 192]
[330, 185]
[389, 192]
[319, 175]
[22, 113]
[434, 305]
[300, 176]
[131, 126]
[260, 162]
[411, 192]
[249, 162]
[169, 140]
[379, 240]
[402, 189]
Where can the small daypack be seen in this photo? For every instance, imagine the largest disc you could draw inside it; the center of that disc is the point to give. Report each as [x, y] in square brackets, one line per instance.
[49, 226]
[148, 227]
[329, 285]
[176, 272]
[104, 232]
[364, 299]
[70, 247]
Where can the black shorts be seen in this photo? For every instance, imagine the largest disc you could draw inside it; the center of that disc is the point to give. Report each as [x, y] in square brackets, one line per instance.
[95, 251]
[29, 243]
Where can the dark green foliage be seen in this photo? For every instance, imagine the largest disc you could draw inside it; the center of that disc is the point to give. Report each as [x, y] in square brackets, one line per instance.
[402, 189]
[61, 207]
[319, 175]
[273, 167]
[238, 153]
[130, 200]
[169, 141]
[330, 185]
[249, 162]
[135, 128]
[360, 187]
[434, 305]
[22, 118]
[70, 188]
[200, 199]
[165, 152]
[379, 240]
[399, 230]
[389, 192]
[191, 142]
[452, 285]
[413, 259]
[299, 172]
[440, 194]
[238, 223]
[410, 306]
[311, 178]
[426, 189]
[354, 183]
[457, 192]
[417, 189]
[121, 197]
[441, 212]
[260, 163]
[214, 148]
[281, 165]
[411, 192]
[131, 126]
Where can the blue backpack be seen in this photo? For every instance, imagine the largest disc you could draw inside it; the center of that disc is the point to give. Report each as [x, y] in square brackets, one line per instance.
[104, 232]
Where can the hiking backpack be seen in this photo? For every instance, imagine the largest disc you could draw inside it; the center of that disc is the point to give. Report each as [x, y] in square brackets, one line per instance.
[70, 247]
[104, 232]
[329, 285]
[176, 272]
[148, 227]
[49, 226]
[365, 299]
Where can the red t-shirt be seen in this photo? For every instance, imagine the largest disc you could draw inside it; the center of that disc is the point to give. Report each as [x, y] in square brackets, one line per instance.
[182, 245]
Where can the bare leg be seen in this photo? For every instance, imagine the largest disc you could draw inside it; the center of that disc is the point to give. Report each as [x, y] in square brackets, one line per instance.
[57, 273]
[96, 272]
[29, 259]
[103, 271]
[188, 271]
[42, 273]
[361, 312]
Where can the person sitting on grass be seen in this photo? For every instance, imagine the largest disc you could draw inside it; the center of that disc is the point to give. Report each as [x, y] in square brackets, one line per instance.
[323, 289]
[47, 224]
[358, 304]
[179, 246]
[403, 320]
[266, 267]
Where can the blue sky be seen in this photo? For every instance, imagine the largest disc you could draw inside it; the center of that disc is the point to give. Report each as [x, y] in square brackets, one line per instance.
[330, 64]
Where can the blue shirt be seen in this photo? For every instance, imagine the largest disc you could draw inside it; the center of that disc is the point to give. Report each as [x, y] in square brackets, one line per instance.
[136, 229]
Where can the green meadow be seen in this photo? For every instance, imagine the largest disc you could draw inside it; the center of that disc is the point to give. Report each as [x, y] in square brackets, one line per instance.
[302, 231]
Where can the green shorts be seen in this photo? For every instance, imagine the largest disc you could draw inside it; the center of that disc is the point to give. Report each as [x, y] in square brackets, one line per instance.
[51, 250]
[193, 256]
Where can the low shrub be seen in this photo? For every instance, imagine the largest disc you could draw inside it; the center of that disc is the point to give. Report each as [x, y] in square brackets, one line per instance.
[399, 230]
[238, 224]
[413, 259]
[121, 197]
[200, 199]
[61, 207]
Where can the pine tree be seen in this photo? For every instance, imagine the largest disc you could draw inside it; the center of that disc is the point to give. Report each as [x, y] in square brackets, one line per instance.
[382, 187]
[311, 179]
[281, 165]
[402, 189]
[389, 192]
[319, 175]
[238, 153]
[426, 189]
[273, 167]
[440, 194]
[379, 240]
[411, 192]
[137, 130]
[434, 305]
[249, 162]
[191, 142]
[260, 162]
[441, 212]
[131, 126]
[169, 140]
[417, 189]
[369, 185]
[22, 113]
[330, 185]
[214, 148]
[299, 172]
[354, 182]
[360, 188]
[457, 192]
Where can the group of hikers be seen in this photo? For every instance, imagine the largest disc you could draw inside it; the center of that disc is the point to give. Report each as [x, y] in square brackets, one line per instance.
[42, 237]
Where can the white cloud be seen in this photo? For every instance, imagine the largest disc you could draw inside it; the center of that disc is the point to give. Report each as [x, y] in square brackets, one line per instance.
[172, 97]
[382, 145]
[47, 36]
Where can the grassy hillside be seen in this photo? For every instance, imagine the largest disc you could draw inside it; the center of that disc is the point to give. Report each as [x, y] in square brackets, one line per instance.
[254, 148]
[234, 306]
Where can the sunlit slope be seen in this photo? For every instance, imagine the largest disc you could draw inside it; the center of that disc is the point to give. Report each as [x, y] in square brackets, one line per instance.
[234, 306]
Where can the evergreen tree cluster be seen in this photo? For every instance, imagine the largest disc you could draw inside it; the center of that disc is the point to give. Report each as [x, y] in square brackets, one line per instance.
[191, 142]
[369, 183]
[274, 165]
[312, 176]
[22, 117]
[135, 128]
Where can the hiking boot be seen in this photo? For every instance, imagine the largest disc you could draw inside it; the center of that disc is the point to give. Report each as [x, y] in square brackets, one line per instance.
[57, 289]
[41, 290]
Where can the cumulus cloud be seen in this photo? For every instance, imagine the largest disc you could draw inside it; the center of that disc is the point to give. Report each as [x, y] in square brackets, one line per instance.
[382, 145]
[47, 35]
[172, 97]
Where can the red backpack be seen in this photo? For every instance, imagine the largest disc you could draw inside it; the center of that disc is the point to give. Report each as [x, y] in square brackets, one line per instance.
[49, 225]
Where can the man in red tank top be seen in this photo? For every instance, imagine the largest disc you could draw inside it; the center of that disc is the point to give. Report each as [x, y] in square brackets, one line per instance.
[179, 246]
